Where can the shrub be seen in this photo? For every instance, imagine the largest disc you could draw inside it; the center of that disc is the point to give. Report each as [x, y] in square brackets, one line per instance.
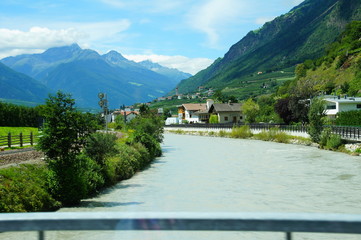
[325, 135]
[24, 189]
[213, 119]
[281, 137]
[223, 133]
[74, 178]
[241, 132]
[349, 118]
[273, 134]
[315, 116]
[211, 133]
[100, 145]
[264, 136]
[334, 142]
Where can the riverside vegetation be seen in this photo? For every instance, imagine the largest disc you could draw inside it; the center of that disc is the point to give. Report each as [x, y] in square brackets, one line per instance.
[327, 140]
[79, 161]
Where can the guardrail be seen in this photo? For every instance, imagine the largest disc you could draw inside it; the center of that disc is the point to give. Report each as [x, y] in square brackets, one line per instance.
[345, 132]
[264, 222]
[17, 140]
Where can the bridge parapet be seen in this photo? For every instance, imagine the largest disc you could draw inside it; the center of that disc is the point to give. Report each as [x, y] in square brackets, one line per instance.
[105, 221]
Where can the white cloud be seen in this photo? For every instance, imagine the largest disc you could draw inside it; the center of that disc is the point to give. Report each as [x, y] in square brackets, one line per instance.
[214, 15]
[263, 20]
[38, 39]
[185, 64]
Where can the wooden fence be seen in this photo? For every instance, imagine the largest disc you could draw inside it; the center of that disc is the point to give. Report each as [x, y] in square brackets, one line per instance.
[17, 140]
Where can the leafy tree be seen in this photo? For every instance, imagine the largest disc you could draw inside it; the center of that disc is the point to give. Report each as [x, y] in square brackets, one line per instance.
[64, 134]
[144, 109]
[213, 118]
[147, 129]
[282, 109]
[250, 109]
[316, 115]
[65, 129]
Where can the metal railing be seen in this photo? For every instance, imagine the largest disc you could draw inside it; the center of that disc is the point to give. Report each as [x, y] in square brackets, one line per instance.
[258, 222]
[345, 132]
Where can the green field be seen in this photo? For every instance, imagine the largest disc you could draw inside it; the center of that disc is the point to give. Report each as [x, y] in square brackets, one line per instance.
[17, 130]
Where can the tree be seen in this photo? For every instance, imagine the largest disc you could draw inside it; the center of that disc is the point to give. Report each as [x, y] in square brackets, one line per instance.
[315, 116]
[147, 130]
[64, 134]
[213, 118]
[250, 109]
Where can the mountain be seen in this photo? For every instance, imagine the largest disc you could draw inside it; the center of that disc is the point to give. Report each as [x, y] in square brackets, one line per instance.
[173, 74]
[18, 86]
[84, 73]
[301, 34]
[337, 72]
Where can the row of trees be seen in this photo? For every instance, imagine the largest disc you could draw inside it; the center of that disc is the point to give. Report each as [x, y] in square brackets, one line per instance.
[19, 116]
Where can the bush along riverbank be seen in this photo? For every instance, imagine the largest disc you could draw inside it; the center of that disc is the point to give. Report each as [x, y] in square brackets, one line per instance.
[79, 162]
[328, 141]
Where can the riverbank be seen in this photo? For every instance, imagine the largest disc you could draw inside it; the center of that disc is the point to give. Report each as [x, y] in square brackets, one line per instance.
[24, 184]
[272, 135]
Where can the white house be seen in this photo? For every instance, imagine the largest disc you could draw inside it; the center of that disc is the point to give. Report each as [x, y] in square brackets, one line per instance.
[172, 120]
[188, 111]
[337, 104]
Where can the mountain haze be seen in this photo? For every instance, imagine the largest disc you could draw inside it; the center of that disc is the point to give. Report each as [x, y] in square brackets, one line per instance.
[173, 74]
[302, 33]
[85, 73]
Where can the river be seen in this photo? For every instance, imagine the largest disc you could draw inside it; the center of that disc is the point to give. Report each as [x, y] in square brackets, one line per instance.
[209, 174]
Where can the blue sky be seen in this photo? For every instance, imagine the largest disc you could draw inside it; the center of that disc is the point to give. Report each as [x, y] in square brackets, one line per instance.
[184, 34]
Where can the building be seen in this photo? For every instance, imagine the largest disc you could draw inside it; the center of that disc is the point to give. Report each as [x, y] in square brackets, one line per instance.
[188, 112]
[227, 112]
[129, 115]
[336, 104]
[200, 112]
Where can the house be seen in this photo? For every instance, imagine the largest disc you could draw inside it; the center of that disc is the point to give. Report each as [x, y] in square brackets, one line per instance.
[172, 120]
[337, 104]
[188, 111]
[200, 113]
[129, 115]
[227, 112]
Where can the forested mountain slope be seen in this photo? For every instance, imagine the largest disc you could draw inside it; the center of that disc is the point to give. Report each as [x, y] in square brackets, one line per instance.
[301, 34]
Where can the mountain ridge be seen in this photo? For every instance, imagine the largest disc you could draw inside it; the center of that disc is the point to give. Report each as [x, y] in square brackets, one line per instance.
[302, 33]
[77, 71]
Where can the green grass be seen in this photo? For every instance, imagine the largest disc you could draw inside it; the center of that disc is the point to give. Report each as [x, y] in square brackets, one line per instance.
[17, 130]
